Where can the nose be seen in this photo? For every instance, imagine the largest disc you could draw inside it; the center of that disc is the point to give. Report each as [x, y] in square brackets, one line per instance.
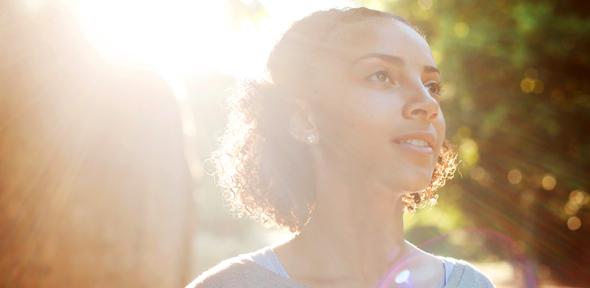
[421, 106]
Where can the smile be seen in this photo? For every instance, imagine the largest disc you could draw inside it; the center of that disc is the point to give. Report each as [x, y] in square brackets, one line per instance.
[417, 142]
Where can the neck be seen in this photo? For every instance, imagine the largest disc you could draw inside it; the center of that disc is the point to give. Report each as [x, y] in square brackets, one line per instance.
[356, 230]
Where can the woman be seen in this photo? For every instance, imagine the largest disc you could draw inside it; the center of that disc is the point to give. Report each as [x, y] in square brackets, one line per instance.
[344, 137]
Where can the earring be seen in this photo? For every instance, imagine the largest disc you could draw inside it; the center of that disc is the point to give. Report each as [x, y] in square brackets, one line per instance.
[312, 138]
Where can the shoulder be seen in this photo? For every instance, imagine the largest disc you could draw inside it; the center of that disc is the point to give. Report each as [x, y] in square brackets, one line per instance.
[465, 274]
[239, 271]
[461, 273]
[226, 271]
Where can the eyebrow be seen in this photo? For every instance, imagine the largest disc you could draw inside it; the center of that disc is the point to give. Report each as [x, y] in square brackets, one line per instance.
[394, 60]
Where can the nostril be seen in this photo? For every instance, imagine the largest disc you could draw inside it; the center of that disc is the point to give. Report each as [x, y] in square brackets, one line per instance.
[424, 110]
[419, 112]
[423, 113]
[433, 115]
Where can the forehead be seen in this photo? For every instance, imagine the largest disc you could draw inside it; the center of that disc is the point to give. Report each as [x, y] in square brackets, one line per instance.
[381, 35]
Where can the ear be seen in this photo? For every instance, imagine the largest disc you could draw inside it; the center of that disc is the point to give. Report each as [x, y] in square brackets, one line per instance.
[302, 126]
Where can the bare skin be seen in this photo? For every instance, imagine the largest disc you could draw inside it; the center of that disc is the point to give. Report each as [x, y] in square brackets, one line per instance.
[380, 88]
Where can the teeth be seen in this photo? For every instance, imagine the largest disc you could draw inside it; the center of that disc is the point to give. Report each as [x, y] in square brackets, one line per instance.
[416, 142]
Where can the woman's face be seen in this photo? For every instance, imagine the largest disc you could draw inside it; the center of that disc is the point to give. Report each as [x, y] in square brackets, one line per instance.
[376, 104]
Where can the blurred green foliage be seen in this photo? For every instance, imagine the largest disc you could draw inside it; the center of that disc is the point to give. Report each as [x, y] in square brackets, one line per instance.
[517, 102]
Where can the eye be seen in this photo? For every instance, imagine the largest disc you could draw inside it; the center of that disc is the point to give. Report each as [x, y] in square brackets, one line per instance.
[434, 88]
[382, 76]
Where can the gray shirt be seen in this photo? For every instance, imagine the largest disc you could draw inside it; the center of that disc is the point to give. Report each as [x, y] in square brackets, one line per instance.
[262, 268]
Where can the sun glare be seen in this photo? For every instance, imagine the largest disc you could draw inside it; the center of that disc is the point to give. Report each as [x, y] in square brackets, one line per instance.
[194, 37]
[184, 38]
[161, 34]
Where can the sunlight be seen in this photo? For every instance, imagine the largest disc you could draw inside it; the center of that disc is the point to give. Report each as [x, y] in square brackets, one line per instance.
[190, 37]
[182, 38]
[165, 35]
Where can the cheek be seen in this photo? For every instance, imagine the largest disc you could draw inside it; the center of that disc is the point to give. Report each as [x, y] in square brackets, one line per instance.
[360, 124]
[441, 129]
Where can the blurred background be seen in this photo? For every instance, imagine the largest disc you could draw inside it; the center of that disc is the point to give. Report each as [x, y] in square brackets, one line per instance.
[110, 109]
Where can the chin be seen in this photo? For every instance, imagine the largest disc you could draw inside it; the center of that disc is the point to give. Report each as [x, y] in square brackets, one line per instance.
[416, 187]
[416, 182]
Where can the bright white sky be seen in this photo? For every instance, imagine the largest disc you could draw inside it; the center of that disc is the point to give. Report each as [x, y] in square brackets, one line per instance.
[189, 36]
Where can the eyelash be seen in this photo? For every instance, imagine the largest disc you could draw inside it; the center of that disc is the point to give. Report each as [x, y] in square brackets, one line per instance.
[437, 86]
[382, 72]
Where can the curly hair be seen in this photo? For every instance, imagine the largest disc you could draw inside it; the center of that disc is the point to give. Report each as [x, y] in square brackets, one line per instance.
[263, 171]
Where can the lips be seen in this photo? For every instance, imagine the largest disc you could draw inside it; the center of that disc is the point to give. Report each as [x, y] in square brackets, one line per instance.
[419, 141]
